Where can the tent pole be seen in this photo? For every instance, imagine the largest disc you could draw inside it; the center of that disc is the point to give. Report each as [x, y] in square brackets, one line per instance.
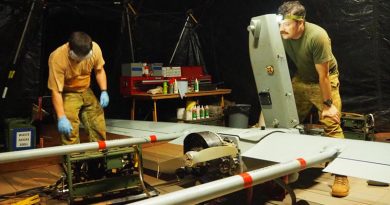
[129, 28]
[12, 70]
[178, 42]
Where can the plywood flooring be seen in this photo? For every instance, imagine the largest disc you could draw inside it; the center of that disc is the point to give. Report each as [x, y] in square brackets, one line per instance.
[314, 186]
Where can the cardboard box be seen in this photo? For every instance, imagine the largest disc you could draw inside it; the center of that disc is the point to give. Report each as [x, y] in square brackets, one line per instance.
[162, 157]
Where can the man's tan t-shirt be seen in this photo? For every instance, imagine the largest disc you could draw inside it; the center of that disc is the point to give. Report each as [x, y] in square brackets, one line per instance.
[67, 75]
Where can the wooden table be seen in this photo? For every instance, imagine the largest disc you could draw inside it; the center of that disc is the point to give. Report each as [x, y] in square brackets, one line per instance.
[156, 97]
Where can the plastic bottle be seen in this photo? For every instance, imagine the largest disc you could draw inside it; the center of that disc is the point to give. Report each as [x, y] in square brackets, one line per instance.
[196, 85]
[206, 112]
[146, 70]
[201, 112]
[194, 113]
[198, 112]
[165, 87]
[175, 88]
[170, 88]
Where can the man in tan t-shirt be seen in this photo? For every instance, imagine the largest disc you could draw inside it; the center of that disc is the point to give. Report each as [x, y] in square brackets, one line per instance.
[70, 67]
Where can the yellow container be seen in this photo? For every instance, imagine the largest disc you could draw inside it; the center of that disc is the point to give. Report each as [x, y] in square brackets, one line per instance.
[190, 105]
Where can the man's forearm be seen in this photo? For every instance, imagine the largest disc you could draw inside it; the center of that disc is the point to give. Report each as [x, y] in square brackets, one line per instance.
[323, 77]
[101, 79]
[58, 104]
[325, 88]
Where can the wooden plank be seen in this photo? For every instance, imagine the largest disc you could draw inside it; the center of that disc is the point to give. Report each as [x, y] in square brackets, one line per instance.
[29, 164]
[21, 180]
[327, 200]
[5, 187]
[55, 170]
[385, 200]
[317, 190]
[42, 176]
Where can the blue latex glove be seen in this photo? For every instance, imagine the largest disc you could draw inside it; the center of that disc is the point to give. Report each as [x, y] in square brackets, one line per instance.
[64, 126]
[104, 99]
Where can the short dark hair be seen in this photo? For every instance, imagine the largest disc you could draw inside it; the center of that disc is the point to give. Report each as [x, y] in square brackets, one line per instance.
[292, 8]
[80, 43]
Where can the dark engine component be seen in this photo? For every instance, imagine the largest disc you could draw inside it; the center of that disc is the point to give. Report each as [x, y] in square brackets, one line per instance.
[213, 169]
[201, 140]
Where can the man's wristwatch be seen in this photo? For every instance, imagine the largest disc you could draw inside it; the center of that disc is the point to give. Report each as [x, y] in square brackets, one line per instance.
[328, 102]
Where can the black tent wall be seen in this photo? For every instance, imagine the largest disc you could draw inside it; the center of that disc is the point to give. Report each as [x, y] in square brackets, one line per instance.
[24, 86]
[358, 29]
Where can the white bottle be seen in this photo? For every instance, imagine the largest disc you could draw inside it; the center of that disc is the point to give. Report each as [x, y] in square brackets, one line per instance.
[146, 70]
[175, 88]
[198, 112]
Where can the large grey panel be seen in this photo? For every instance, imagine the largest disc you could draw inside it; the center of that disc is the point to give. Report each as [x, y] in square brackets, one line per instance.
[270, 69]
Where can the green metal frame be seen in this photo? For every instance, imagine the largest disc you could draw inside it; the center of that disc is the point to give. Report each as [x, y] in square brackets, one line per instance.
[113, 159]
[355, 126]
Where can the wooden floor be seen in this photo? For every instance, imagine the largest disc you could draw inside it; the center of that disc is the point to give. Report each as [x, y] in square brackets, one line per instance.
[314, 186]
[21, 179]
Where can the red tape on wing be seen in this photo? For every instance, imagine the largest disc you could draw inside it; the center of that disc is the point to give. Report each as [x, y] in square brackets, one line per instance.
[302, 162]
[153, 138]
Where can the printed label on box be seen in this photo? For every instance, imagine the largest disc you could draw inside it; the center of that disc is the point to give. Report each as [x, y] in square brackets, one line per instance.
[23, 139]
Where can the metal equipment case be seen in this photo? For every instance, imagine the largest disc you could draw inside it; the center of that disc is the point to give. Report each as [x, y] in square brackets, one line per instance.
[19, 134]
[106, 172]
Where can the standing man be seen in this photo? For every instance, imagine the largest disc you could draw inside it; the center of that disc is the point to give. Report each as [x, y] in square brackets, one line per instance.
[70, 67]
[315, 82]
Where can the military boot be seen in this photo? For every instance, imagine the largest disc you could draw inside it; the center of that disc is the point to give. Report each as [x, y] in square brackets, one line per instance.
[340, 186]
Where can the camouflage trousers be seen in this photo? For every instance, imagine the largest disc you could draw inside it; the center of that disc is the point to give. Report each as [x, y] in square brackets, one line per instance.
[308, 95]
[86, 107]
